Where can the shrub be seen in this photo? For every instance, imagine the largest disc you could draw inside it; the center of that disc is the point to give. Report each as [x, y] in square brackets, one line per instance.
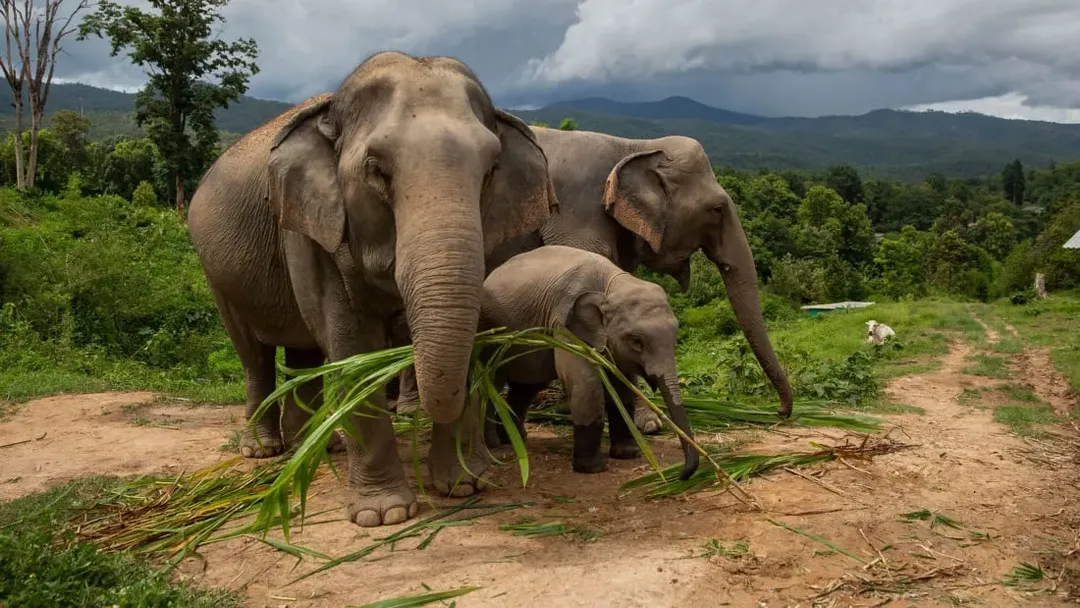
[144, 195]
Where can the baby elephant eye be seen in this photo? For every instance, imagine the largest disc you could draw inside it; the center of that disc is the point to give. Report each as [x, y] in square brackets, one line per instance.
[636, 343]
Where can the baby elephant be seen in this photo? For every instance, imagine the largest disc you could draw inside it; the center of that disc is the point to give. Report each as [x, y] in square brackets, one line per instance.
[604, 306]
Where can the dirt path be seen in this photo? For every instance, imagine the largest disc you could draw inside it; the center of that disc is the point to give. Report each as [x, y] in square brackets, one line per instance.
[1023, 494]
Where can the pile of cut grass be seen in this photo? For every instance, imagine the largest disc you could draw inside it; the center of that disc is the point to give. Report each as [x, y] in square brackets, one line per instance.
[44, 563]
[713, 413]
[724, 467]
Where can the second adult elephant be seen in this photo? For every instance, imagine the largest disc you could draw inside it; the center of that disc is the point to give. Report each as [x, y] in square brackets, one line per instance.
[653, 203]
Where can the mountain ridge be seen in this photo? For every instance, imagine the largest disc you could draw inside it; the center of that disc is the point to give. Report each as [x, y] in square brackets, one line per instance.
[900, 144]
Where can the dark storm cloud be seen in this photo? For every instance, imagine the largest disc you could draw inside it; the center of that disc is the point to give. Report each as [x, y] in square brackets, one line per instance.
[774, 57]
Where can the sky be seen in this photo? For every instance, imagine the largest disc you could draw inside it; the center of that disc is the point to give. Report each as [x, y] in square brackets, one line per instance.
[1009, 58]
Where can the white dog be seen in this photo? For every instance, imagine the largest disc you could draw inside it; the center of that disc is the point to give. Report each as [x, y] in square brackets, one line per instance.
[877, 333]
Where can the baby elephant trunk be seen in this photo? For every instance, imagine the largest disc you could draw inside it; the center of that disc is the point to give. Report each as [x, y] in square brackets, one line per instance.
[668, 384]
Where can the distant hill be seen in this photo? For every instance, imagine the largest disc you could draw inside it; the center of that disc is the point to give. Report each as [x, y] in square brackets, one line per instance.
[886, 143]
[668, 108]
[109, 111]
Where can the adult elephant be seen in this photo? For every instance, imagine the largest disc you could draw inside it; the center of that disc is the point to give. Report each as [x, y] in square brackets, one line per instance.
[383, 197]
[649, 202]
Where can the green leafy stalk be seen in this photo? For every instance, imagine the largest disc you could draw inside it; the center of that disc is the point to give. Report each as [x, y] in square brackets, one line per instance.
[351, 383]
[409, 601]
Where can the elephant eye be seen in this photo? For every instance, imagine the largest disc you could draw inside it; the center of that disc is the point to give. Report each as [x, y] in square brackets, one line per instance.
[376, 175]
[636, 343]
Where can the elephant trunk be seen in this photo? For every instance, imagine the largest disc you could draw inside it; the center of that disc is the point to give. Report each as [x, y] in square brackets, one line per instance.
[730, 252]
[668, 383]
[439, 272]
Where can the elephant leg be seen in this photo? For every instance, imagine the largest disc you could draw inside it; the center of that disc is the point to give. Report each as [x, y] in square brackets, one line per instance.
[408, 395]
[294, 417]
[449, 475]
[585, 394]
[377, 490]
[623, 445]
[262, 440]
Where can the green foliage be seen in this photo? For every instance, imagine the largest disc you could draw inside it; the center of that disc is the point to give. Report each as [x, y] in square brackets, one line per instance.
[902, 263]
[42, 565]
[192, 72]
[88, 282]
[1012, 182]
[568, 124]
[144, 195]
[1062, 266]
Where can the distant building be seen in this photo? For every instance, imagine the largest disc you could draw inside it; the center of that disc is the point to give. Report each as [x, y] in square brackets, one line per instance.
[1074, 242]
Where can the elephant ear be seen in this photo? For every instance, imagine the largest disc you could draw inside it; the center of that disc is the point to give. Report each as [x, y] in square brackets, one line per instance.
[302, 183]
[585, 318]
[636, 195]
[519, 197]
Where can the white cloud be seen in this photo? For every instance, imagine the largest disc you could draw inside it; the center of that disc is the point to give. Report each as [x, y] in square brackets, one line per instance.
[1012, 105]
[771, 57]
[614, 39]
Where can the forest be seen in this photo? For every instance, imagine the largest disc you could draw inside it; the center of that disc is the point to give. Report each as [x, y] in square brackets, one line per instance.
[121, 395]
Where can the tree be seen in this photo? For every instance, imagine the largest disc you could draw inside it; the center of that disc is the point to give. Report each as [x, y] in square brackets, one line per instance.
[37, 31]
[191, 74]
[995, 233]
[1012, 182]
[568, 124]
[71, 128]
[845, 180]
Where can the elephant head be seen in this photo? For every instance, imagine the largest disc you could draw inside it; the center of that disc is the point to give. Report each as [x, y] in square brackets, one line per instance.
[410, 167]
[668, 195]
[635, 322]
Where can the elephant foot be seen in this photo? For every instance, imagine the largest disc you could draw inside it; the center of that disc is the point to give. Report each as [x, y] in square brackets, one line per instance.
[336, 443]
[262, 446]
[647, 421]
[406, 405]
[587, 457]
[625, 450]
[493, 435]
[381, 504]
[595, 463]
[451, 479]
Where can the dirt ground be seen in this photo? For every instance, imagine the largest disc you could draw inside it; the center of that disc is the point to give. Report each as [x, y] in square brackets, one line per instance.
[1021, 491]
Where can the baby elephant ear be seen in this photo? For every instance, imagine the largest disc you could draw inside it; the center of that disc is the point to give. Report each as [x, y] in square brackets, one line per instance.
[586, 319]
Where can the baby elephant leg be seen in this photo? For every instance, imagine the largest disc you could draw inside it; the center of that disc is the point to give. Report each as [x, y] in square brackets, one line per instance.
[585, 394]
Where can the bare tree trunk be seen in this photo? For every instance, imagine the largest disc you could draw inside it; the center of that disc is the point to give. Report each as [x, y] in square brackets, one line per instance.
[31, 164]
[15, 65]
[43, 45]
[1040, 285]
[180, 196]
[20, 164]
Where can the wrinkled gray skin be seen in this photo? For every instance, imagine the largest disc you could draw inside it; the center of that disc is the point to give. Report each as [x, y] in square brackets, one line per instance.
[382, 197]
[585, 293]
[649, 202]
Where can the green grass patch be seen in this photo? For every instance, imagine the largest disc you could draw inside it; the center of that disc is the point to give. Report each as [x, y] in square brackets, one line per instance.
[1021, 419]
[1053, 323]
[988, 366]
[1020, 392]
[42, 563]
